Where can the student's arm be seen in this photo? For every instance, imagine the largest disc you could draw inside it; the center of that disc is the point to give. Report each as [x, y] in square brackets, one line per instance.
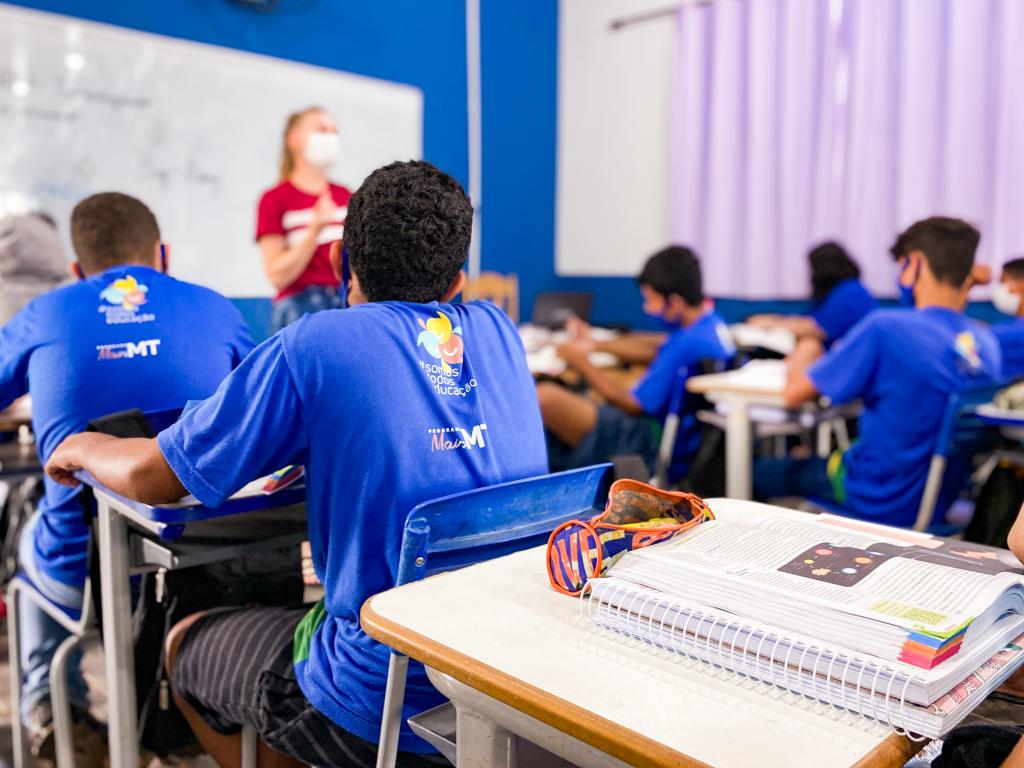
[132, 467]
[284, 264]
[1016, 758]
[16, 345]
[803, 327]
[1015, 541]
[633, 348]
[844, 374]
[252, 425]
[577, 354]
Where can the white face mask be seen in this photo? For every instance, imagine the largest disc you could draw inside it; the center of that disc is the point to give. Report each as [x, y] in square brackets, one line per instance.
[321, 148]
[1005, 300]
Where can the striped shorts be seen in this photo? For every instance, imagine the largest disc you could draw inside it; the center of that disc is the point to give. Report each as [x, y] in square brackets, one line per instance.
[235, 668]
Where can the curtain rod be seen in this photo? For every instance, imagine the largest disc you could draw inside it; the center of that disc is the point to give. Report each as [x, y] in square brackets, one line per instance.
[639, 18]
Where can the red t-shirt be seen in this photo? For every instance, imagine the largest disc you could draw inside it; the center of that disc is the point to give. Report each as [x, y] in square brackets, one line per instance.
[286, 210]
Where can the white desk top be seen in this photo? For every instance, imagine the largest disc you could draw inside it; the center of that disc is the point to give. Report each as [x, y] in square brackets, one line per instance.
[759, 381]
[498, 627]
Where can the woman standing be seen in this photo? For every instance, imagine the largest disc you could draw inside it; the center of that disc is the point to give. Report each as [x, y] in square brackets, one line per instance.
[300, 217]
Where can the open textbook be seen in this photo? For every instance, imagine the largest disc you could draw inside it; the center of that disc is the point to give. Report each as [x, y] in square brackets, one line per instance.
[884, 622]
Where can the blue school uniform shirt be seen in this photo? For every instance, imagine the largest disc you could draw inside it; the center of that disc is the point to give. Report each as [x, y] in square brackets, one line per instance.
[1010, 336]
[844, 306]
[903, 364]
[129, 337]
[388, 405]
[679, 358]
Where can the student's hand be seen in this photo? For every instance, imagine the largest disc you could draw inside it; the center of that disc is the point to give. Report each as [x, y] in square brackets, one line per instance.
[575, 328]
[64, 461]
[576, 352]
[981, 274]
[763, 321]
[324, 210]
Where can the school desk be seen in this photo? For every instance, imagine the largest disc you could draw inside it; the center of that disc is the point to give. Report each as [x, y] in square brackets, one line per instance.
[1010, 423]
[741, 394]
[518, 660]
[137, 538]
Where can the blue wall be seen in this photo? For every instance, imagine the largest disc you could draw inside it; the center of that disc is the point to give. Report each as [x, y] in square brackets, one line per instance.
[422, 43]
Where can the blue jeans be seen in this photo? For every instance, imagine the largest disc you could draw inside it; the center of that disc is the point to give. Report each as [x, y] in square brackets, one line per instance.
[40, 635]
[315, 298]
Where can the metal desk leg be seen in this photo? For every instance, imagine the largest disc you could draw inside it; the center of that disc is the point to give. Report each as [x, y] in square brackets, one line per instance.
[481, 743]
[739, 451]
[118, 650]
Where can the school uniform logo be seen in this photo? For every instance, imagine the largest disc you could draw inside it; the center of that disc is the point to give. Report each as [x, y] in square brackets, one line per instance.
[457, 438]
[122, 299]
[128, 349]
[967, 348]
[443, 343]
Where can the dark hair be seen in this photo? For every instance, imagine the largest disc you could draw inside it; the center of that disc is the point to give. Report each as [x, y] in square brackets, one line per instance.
[947, 244]
[1014, 268]
[674, 270]
[830, 265]
[407, 232]
[111, 228]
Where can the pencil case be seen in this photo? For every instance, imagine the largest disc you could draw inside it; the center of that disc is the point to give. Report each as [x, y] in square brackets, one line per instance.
[636, 515]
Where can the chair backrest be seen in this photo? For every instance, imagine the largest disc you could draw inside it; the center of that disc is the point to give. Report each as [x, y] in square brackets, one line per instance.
[501, 289]
[551, 309]
[679, 400]
[961, 436]
[465, 528]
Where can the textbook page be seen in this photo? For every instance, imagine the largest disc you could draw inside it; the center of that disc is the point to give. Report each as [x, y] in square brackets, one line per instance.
[817, 564]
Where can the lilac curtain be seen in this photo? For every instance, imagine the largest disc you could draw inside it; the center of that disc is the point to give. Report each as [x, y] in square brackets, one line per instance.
[796, 121]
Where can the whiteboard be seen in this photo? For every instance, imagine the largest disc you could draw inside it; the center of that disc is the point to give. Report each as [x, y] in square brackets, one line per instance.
[192, 130]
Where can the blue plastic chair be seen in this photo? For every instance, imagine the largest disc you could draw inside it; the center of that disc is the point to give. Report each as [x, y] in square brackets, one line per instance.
[81, 626]
[465, 528]
[961, 436]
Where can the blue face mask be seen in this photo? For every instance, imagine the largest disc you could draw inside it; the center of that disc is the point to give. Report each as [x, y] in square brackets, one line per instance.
[906, 294]
[906, 298]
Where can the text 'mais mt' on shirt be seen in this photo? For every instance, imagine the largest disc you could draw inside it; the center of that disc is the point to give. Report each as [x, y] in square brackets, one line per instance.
[903, 364]
[388, 405]
[288, 211]
[130, 337]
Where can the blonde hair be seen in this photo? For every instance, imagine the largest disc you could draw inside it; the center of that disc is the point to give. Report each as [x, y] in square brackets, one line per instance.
[287, 160]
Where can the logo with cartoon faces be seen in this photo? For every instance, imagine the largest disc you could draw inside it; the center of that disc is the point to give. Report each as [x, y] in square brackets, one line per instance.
[442, 341]
[967, 348]
[125, 292]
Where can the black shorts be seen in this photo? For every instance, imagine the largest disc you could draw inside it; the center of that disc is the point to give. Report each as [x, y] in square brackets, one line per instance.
[235, 668]
[615, 433]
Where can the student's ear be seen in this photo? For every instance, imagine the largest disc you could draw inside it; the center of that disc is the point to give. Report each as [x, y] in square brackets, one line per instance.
[76, 270]
[162, 257]
[355, 291]
[335, 257]
[911, 269]
[677, 306]
[456, 287]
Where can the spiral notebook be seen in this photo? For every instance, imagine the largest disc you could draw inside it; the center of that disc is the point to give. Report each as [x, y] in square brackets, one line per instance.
[903, 628]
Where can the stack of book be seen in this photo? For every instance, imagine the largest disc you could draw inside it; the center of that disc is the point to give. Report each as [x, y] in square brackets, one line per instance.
[904, 628]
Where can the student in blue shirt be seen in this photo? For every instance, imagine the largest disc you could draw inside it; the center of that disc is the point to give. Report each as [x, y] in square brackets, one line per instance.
[126, 335]
[839, 299]
[1006, 295]
[903, 364]
[388, 404]
[581, 432]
